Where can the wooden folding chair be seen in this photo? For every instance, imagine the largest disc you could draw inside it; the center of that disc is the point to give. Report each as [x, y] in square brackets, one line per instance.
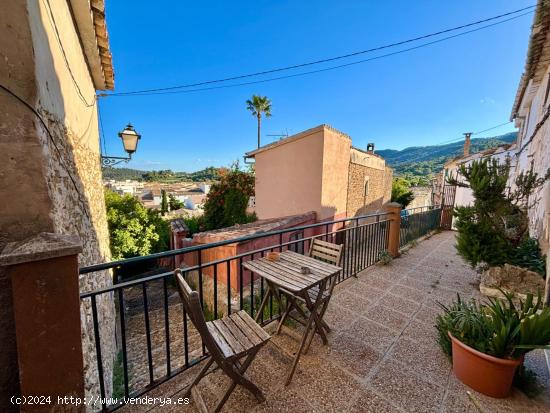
[326, 252]
[228, 340]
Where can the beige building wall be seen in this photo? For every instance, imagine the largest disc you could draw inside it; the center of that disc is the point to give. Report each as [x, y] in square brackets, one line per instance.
[288, 176]
[336, 159]
[53, 180]
[318, 170]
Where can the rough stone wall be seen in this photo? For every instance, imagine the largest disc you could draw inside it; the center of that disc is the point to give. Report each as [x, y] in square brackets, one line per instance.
[52, 182]
[25, 205]
[73, 176]
[379, 189]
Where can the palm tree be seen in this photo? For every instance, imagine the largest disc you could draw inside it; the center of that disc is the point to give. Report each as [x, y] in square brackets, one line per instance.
[258, 105]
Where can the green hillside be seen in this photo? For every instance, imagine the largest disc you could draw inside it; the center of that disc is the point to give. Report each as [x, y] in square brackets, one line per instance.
[419, 163]
[166, 176]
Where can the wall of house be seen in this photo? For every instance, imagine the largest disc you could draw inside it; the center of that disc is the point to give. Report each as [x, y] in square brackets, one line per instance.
[536, 153]
[336, 156]
[371, 171]
[54, 180]
[288, 177]
[422, 196]
[20, 174]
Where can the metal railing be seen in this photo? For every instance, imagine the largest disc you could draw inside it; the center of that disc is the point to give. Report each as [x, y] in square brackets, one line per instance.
[155, 339]
[418, 222]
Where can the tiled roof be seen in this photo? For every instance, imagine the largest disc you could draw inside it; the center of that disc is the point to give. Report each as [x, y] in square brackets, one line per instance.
[538, 53]
[102, 36]
[178, 225]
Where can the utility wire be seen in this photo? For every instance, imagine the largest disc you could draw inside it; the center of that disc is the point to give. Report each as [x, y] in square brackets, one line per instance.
[102, 135]
[494, 127]
[313, 71]
[50, 135]
[172, 88]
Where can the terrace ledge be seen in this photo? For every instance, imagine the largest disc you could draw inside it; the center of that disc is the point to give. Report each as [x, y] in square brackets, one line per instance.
[44, 246]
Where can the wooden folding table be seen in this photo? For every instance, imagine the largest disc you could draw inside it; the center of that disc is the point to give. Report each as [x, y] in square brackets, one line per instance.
[285, 275]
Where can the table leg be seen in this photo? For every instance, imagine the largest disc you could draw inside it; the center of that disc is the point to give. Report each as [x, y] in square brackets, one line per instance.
[309, 326]
[315, 315]
[264, 302]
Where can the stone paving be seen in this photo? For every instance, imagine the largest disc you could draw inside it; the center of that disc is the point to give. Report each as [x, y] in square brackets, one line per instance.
[382, 354]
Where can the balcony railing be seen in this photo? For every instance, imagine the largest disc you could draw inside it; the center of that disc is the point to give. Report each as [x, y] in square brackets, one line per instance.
[418, 222]
[155, 339]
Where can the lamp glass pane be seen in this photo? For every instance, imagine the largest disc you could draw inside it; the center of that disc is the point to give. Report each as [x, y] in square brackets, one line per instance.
[129, 140]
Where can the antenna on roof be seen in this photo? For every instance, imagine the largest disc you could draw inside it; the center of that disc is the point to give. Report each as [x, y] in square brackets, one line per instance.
[279, 135]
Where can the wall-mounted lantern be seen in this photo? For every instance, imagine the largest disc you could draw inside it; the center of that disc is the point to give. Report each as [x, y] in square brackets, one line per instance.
[130, 140]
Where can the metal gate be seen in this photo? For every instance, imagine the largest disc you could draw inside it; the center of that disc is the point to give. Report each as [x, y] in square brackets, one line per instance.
[447, 205]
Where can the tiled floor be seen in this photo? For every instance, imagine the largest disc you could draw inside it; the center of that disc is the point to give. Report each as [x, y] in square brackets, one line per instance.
[382, 356]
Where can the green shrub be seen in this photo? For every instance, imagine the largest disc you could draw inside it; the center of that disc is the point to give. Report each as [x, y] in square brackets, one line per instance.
[227, 200]
[385, 257]
[528, 255]
[494, 230]
[401, 193]
[133, 229]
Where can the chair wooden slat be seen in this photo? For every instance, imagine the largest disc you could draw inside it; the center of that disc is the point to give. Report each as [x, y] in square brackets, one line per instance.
[326, 244]
[227, 340]
[260, 332]
[224, 346]
[245, 329]
[229, 337]
[235, 330]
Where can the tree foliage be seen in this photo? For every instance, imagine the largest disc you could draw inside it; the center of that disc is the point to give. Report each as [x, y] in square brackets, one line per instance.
[227, 200]
[258, 106]
[492, 230]
[401, 193]
[419, 164]
[174, 203]
[165, 176]
[163, 202]
[133, 229]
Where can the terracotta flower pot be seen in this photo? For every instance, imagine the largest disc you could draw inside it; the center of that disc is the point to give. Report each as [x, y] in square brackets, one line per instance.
[485, 374]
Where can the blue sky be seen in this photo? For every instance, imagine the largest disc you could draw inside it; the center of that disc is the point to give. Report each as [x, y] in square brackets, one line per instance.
[422, 97]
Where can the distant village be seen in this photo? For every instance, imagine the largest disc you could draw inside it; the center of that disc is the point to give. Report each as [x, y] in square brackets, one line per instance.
[191, 195]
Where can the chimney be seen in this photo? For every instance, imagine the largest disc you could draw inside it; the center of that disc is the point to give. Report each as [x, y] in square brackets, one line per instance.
[370, 147]
[467, 143]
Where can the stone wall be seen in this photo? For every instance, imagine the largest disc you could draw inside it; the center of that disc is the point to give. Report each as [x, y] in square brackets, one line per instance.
[51, 173]
[378, 193]
[422, 196]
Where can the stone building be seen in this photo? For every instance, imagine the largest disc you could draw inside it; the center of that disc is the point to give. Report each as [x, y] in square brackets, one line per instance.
[54, 56]
[319, 170]
[530, 112]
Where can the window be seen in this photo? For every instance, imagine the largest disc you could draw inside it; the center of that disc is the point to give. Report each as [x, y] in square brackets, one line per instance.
[366, 189]
[367, 183]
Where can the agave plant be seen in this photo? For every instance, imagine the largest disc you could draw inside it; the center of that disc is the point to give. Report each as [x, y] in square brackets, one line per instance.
[499, 327]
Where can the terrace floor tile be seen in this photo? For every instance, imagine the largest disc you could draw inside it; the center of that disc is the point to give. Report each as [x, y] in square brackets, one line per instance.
[382, 355]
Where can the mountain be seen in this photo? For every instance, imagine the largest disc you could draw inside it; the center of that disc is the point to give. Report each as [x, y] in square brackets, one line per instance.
[165, 176]
[419, 163]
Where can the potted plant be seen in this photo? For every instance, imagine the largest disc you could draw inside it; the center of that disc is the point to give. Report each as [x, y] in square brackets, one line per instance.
[488, 340]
